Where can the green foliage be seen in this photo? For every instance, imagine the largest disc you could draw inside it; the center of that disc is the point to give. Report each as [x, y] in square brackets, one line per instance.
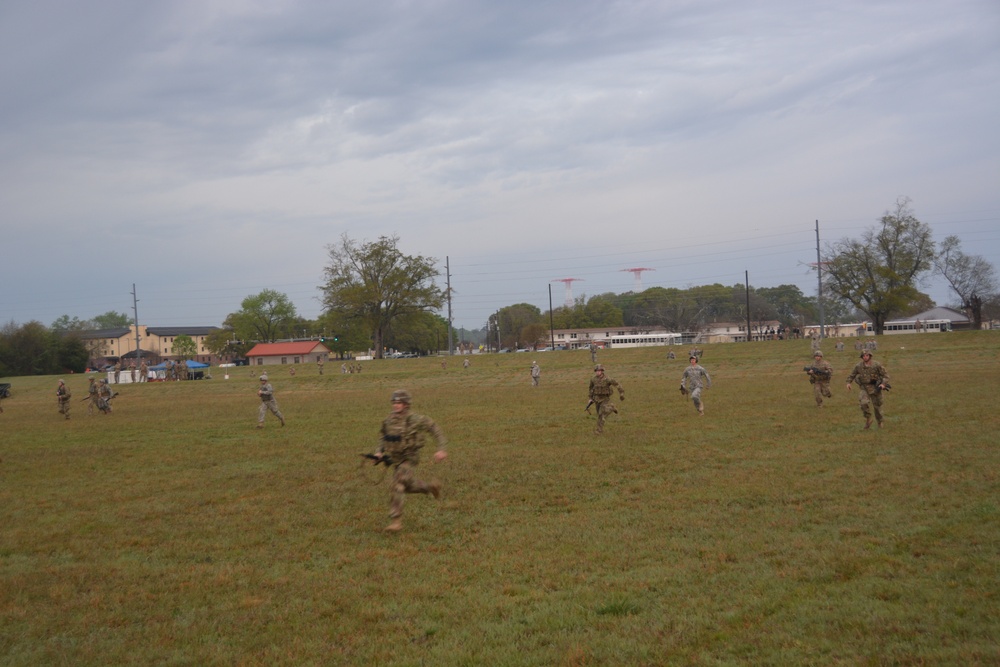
[971, 277]
[878, 273]
[418, 332]
[513, 320]
[33, 349]
[263, 318]
[184, 347]
[374, 284]
[111, 320]
[765, 533]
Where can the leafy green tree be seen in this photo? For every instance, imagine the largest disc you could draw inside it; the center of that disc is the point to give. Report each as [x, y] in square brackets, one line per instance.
[513, 319]
[185, 347]
[878, 273]
[263, 317]
[971, 277]
[376, 284]
[418, 332]
[111, 320]
[32, 349]
[64, 323]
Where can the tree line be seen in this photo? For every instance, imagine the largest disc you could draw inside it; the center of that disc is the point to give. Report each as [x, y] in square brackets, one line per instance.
[377, 298]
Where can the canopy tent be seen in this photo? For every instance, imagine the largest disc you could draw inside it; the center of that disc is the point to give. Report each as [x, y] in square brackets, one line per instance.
[146, 354]
[190, 364]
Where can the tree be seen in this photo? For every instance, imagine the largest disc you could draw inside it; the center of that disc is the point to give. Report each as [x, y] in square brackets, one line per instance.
[111, 320]
[878, 273]
[64, 323]
[263, 317]
[513, 320]
[32, 349]
[375, 283]
[970, 277]
[185, 347]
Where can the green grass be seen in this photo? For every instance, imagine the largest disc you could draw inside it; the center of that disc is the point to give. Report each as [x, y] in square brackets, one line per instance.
[767, 532]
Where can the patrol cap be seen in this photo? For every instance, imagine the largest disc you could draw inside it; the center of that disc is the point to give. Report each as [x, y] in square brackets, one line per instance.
[263, 377]
[598, 367]
[401, 396]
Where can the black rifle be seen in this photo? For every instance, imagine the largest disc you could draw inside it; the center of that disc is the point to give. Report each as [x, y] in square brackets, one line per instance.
[818, 372]
[383, 459]
[587, 408]
[885, 385]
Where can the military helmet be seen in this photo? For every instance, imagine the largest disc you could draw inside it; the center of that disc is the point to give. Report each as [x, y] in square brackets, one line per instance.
[598, 367]
[401, 396]
[864, 352]
[263, 377]
[817, 353]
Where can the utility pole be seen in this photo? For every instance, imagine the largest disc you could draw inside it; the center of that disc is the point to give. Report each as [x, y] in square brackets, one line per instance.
[819, 278]
[135, 316]
[552, 330]
[747, 276]
[447, 274]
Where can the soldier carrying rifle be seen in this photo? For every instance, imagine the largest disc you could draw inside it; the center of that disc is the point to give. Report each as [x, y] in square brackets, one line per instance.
[820, 374]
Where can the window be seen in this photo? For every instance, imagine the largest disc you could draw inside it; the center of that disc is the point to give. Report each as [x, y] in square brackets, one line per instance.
[284, 360]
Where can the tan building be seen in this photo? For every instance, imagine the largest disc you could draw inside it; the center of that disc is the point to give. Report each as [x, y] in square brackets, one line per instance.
[156, 343]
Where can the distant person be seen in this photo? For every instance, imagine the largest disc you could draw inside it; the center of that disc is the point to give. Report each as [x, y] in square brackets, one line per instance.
[600, 390]
[466, 363]
[93, 390]
[593, 353]
[400, 440]
[267, 402]
[104, 396]
[118, 372]
[131, 370]
[671, 355]
[693, 380]
[63, 396]
[143, 372]
[536, 373]
[873, 380]
[820, 374]
[319, 365]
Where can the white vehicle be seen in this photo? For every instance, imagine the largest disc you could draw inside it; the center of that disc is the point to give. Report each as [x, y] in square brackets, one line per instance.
[910, 327]
[645, 340]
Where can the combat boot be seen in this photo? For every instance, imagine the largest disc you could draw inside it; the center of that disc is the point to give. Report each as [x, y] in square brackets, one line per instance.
[868, 423]
[394, 526]
[434, 488]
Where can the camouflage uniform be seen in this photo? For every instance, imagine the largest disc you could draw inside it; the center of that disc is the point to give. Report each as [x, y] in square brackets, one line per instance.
[821, 381]
[267, 402]
[63, 397]
[536, 374]
[870, 376]
[691, 381]
[182, 370]
[143, 372]
[93, 390]
[600, 393]
[104, 396]
[401, 438]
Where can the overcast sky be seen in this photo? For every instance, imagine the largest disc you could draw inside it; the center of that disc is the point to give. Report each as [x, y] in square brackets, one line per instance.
[208, 150]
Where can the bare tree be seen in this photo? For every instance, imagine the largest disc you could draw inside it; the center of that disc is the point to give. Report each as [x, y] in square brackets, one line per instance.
[879, 272]
[971, 277]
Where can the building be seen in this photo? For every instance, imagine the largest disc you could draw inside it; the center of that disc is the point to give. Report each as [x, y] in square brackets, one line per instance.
[107, 346]
[277, 354]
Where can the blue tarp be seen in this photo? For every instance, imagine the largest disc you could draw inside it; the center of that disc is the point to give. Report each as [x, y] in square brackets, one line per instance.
[190, 365]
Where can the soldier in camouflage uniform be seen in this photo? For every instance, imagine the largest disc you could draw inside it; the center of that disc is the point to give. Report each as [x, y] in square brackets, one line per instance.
[267, 402]
[600, 394]
[93, 391]
[820, 379]
[691, 382]
[63, 397]
[400, 440]
[873, 379]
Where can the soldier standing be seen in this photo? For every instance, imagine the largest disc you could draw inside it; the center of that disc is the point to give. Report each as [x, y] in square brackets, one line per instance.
[820, 374]
[267, 402]
[400, 440]
[593, 353]
[104, 396]
[691, 382]
[600, 393]
[319, 365]
[873, 379]
[143, 372]
[118, 372]
[93, 391]
[536, 373]
[63, 396]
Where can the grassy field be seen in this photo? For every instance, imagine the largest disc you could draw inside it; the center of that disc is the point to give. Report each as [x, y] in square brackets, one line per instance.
[767, 532]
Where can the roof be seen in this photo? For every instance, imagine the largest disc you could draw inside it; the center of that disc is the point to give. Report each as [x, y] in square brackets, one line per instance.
[939, 313]
[285, 349]
[180, 331]
[116, 332]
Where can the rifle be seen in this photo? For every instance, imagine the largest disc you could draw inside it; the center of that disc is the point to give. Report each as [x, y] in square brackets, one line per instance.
[383, 459]
[818, 372]
[684, 391]
[885, 386]
[587, 408]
